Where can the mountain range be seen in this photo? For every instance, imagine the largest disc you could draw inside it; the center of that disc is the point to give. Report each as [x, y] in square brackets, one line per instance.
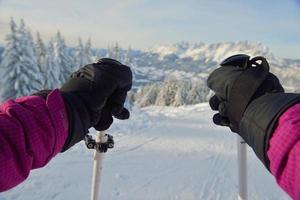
[194, 61]
[186, 61]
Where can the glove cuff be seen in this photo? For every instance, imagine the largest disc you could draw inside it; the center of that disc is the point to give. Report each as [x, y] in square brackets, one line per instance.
[79, 119]
[42, 93]
[260, 118]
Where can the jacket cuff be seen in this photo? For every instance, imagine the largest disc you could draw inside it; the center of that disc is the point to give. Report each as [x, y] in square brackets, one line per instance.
[260, 119]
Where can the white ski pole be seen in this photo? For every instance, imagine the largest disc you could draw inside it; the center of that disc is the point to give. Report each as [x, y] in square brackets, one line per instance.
[242, 168]
[102, 143]
[97, 168]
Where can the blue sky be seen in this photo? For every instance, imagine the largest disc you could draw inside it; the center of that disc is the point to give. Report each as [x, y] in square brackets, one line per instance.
[144, 23]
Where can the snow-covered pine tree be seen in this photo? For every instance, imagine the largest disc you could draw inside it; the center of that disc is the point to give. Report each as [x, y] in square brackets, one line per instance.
[29, 79]
[128, 59]
[62, 58]
[161, 98]
[40, 49]
[21, 74]
[79, 55]
[147, 95]
[83, 54]
[109, 52]
[9, 62]
[117, 52]
[172, 92]
[88, 52]
[183, 88]
[53, 70]
[197, 93]
[167, 93]
[114, 52]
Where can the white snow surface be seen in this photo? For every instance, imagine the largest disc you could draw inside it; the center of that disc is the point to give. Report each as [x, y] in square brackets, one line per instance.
[161, 153]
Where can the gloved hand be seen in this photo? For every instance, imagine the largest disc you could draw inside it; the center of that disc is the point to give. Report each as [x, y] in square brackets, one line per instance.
[236, 83]
[249, 99]
[93, 95]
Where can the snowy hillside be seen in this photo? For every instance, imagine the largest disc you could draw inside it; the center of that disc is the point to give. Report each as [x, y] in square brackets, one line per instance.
[161, 153]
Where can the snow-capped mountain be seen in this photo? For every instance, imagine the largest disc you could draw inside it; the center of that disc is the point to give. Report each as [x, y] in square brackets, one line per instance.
[184, 60]
[212, 52]
[193, 62]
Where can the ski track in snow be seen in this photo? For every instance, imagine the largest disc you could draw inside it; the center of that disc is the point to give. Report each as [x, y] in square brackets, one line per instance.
[162, 153]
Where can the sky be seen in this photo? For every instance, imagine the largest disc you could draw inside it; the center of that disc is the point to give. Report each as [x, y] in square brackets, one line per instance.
[142, 24]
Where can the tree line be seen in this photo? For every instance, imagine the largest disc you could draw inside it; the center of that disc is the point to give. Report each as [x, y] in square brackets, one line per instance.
[172, 92]
[28, 64]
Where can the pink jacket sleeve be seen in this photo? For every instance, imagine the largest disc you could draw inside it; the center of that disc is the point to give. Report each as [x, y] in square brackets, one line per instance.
[284, 152]
[32, 131]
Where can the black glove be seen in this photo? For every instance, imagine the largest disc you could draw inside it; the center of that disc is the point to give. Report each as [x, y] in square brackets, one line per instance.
[236, 83]
[94, 94]
[249, 99]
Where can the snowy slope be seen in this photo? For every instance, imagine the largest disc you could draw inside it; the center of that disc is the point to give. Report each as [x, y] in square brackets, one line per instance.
[162, 153]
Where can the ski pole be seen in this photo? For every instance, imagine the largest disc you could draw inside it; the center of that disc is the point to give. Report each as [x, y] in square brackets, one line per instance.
[101, 144]
[242, 168]
[97, 168]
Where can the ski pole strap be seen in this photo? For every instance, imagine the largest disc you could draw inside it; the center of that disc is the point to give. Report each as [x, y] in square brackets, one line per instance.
[101, 146]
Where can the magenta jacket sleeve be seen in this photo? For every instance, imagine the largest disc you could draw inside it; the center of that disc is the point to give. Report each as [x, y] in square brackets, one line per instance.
[32, 131]
[284, 152]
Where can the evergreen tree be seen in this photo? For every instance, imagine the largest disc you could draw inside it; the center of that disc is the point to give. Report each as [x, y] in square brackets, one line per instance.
[172, 92]
[40, 49]
[79, 55]
[52, 68]
[62, 58]
[167, 93]
[181, 93]
[29, 77]
[9, 62]
[21, 74]
[109, 52]
[147, 95]
[88, 52]
[128, 59]
[197, 93]
[83, 54]
[114, 52]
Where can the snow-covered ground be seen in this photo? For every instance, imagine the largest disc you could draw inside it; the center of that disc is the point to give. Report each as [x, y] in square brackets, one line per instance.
[162, 153]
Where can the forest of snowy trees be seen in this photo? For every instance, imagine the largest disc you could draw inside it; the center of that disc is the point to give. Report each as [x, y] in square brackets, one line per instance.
[29, 64]
[172, 92]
